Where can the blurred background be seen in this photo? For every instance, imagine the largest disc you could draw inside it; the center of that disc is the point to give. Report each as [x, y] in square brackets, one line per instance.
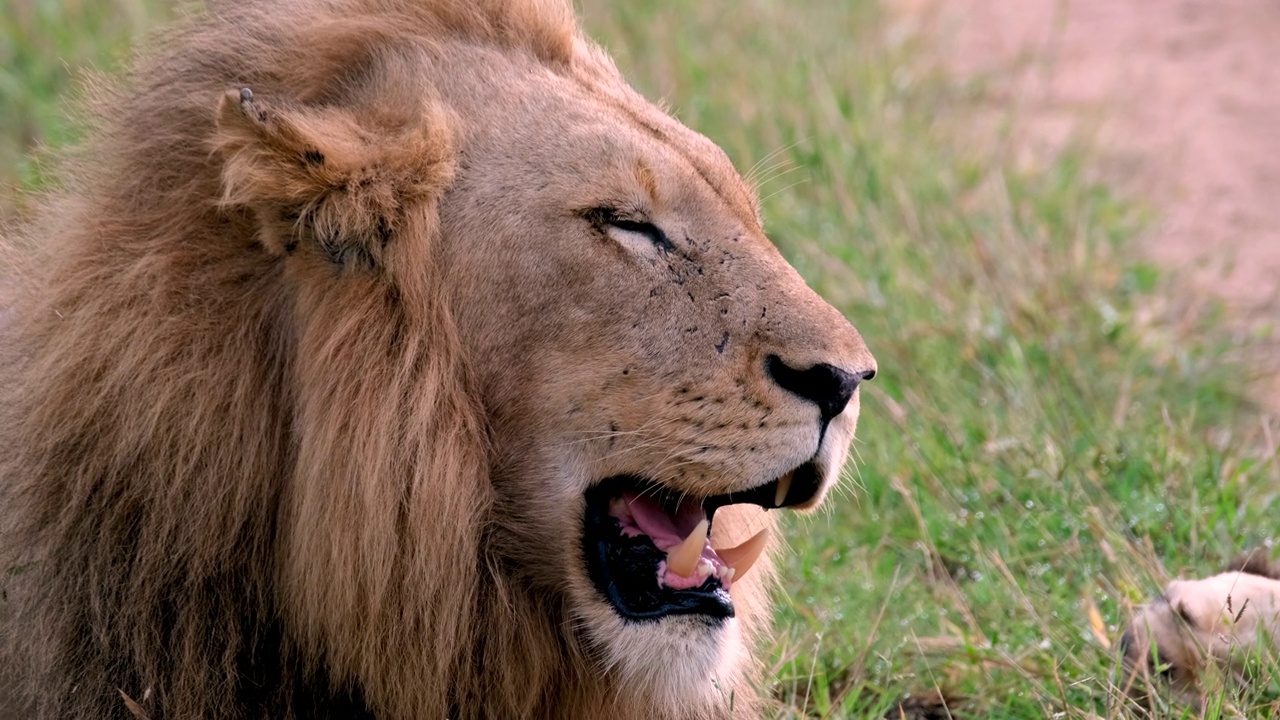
[1052, 222]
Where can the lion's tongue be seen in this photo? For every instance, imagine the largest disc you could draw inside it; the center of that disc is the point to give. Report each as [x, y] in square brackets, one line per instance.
[683, 536]
[665, 530]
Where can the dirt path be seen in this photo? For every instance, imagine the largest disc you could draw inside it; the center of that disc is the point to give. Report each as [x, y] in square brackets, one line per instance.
[1183, 97]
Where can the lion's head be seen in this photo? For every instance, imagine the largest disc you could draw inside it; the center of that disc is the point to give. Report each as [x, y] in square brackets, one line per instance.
[1218, 620]
[396, 357]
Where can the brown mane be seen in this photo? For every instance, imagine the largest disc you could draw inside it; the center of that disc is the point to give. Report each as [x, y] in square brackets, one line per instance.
[180, 437]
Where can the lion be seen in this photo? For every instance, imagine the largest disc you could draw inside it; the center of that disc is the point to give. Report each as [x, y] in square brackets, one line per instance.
[396, 359]
[1219, 620]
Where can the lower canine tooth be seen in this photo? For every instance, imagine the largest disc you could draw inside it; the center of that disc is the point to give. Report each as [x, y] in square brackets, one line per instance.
[784, 486]
[741, 558]
[683, 558]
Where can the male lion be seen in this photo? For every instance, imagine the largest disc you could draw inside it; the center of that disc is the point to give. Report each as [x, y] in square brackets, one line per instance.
[392, 358]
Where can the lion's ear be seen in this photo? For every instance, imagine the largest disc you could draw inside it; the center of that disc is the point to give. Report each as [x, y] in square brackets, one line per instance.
[345, 182]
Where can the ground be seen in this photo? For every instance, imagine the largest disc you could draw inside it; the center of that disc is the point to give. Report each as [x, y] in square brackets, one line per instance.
[1179, 96]
[1171, 95]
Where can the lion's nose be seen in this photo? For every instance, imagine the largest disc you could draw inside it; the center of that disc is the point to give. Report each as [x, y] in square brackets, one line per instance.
[827, 386]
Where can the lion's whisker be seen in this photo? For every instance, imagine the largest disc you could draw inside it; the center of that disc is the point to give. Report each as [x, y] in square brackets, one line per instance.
[765, 180]
[752, 171]
[782, 190]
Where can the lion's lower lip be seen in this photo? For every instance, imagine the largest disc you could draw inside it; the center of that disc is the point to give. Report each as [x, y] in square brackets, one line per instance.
[647, 552]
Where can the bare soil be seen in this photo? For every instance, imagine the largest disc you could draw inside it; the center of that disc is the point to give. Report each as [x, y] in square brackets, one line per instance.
[1182, 98]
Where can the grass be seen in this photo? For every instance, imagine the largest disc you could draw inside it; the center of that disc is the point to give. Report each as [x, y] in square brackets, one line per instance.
[43, 43]
[1057, 428]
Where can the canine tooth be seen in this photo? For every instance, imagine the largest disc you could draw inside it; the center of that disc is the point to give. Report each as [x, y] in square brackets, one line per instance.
[784, 486]
[741, 558]
[683, 558]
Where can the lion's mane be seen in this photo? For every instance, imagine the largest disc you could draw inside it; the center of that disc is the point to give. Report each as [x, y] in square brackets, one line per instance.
[224, 496]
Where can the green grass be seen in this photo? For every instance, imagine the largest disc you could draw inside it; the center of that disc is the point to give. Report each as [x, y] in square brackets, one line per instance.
[1057, 428]
[43, 45]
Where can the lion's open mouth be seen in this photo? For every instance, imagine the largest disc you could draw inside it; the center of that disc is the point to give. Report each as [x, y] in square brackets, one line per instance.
[648, 550]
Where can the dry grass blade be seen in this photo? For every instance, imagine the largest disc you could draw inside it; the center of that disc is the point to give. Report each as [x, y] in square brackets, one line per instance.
[134, 708]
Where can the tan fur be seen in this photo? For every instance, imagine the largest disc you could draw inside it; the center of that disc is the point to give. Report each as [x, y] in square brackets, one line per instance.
[1219, 619]
[304, 372]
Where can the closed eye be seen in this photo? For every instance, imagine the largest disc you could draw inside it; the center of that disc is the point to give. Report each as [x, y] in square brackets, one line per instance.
[647, 229]
[610, 219]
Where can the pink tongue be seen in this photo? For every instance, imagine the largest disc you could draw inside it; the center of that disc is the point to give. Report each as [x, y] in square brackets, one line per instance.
[664, 530]
[644, 515]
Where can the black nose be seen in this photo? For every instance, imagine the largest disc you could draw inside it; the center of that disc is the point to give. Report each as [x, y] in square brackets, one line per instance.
[825, 385]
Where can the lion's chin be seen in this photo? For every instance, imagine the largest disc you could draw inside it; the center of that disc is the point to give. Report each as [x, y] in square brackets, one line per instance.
[674, 661]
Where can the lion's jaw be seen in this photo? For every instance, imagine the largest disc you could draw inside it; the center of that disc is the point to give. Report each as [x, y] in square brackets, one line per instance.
[674, 664]
[630, 320]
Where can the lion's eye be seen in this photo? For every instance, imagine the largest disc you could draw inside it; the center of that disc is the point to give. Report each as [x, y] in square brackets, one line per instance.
[609, 220]
[649, 230]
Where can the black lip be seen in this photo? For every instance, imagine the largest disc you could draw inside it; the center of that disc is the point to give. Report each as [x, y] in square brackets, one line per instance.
[804, 485]
[624, 569]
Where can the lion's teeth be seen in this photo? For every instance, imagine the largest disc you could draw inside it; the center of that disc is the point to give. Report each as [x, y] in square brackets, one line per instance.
[683, 558]
[742, 557]
[784, 486]
[618, 507]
